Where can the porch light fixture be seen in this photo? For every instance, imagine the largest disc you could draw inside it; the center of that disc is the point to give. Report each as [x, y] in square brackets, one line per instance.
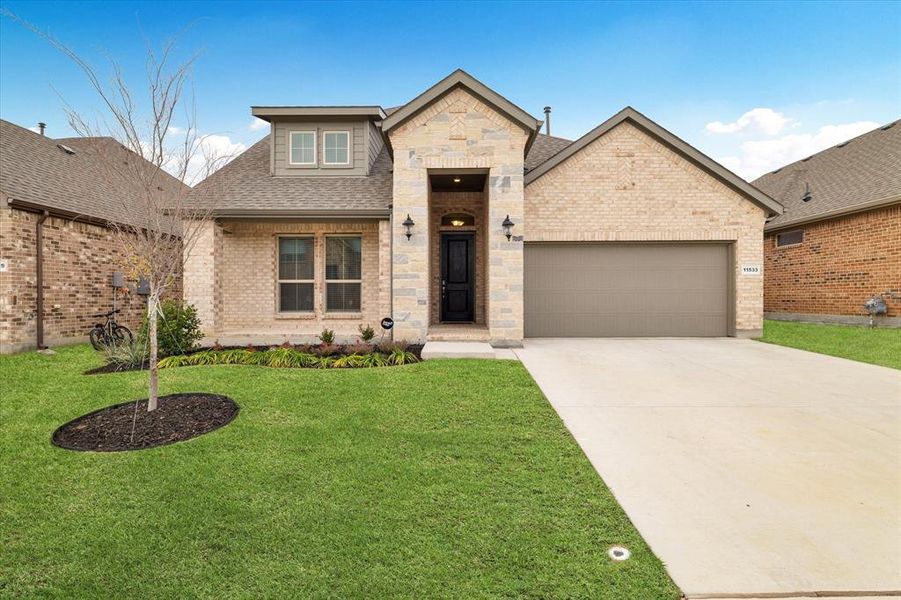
[408, 226]
[508, 227]
[457, 223]
[457, 180]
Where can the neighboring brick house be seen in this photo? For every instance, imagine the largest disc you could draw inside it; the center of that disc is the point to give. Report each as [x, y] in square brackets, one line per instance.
[454, 215]
[57, 187]
[838, 243]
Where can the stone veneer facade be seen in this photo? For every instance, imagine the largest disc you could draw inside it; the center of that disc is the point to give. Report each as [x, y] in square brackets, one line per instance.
[627, 187]
[231, 277]
[840, 264]
[458, 132]
[79, 260]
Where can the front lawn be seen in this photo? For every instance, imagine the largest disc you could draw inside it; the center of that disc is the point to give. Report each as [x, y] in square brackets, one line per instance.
[876, 346]
[441, 479]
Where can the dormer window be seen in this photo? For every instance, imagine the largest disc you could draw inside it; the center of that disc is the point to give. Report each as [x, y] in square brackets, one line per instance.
[303, 148]
[336, 147]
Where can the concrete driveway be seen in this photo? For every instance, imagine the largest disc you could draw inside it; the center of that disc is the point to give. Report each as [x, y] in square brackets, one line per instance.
[750, 469]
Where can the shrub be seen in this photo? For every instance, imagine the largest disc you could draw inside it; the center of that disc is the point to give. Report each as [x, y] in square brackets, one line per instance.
[358, 349]
[401, 357]
[388, 347]
[366, 333]
[327, 336]
[178, 328]
[126, 354]
[328, 350]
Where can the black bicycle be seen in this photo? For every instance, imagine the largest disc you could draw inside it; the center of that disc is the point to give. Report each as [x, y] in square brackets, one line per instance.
[109, 333]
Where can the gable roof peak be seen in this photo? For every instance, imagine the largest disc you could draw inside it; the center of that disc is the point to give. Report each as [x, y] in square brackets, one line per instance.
[668, 139]
[458, 78]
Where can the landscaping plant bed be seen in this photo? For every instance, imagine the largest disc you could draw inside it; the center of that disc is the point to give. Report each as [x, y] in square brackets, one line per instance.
[178, 417]
[337, 356]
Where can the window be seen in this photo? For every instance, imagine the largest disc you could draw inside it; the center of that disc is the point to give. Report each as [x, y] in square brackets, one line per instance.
[303, 148]
[343, 258]
[295, 274]
[789, 238]
[337, 147]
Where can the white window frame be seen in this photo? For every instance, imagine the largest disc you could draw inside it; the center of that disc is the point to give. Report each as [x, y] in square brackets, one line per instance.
[328, 281]
[349, 148]
[279, 281]
[291, 148]
[781, 233]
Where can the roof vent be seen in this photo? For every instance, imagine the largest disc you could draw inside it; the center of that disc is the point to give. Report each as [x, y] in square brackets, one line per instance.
[65, 148]
[889, 126]
[806, 196]
[843, 144]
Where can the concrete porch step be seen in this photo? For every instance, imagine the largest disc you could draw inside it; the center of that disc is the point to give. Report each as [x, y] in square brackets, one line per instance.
[457, 350]
[458, 333]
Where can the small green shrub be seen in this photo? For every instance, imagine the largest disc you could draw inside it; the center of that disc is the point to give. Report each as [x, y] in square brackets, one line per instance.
[401, 357]
[177, 328]
[327, 336]
[366, 333]
[126, 354]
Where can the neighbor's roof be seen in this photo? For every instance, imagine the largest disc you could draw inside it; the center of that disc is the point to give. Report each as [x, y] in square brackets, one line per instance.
[244, 187]
[69, 176]
[860, 174]
[668, 139]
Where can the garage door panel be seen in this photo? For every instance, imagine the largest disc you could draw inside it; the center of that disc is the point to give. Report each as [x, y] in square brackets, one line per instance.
[613, 290]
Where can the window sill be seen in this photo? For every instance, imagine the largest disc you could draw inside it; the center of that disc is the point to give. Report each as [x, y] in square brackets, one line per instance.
[299, 316]
[342, 315]
[785, 246]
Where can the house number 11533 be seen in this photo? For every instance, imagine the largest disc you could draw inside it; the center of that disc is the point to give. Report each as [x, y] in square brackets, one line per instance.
[750, 269]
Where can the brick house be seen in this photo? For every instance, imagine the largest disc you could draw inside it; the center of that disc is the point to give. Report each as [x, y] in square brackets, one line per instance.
[838, 243]
[55, 210]
[454, 215]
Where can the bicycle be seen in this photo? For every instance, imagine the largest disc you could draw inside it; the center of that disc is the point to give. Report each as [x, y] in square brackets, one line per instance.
[109, 333]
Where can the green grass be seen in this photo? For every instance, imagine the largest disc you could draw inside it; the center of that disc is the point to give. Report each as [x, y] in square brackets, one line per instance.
[876, 346]
[441, 479]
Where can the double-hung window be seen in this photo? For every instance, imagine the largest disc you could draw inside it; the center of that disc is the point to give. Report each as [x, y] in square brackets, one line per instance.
[302, 148]
[336, 147]
[343, 258]
[295, 274]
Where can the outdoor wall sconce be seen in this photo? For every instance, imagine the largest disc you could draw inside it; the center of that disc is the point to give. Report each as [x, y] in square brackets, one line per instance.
[408, 226]
[508, 227]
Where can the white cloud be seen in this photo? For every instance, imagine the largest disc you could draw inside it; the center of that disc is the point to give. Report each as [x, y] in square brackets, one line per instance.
[175, 130]
[764, 120]
[35, 129]
[258, 124]
[214, 152]
[757, 157]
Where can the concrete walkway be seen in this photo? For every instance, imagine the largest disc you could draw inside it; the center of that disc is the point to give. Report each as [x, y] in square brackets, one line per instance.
[750, 469]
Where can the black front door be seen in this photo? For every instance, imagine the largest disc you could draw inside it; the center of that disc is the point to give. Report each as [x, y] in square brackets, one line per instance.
[457, 277]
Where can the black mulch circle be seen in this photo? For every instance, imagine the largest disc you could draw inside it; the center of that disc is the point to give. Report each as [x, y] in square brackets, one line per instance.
[178, 417]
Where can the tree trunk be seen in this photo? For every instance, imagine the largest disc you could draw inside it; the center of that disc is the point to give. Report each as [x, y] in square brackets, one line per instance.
[153, 397]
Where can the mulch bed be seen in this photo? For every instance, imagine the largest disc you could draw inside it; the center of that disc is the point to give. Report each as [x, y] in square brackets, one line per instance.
[178, 417]
[416, 349]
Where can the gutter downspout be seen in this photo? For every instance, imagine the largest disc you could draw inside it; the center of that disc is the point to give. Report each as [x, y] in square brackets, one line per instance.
[391, 265]
[39, 272]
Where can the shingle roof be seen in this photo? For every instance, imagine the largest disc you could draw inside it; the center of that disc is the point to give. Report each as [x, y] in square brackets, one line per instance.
[245, 184]
[544, 147]
[34, 169]
[863, 172]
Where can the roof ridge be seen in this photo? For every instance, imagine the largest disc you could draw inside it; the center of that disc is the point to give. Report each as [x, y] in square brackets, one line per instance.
[837, 146]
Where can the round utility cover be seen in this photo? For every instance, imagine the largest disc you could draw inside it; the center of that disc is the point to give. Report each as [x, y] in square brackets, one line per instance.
[619, 553]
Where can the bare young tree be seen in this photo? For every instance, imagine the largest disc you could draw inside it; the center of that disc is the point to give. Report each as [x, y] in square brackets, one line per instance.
[148, 166]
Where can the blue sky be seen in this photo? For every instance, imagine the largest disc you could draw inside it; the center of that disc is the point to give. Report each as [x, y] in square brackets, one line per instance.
[816, 72]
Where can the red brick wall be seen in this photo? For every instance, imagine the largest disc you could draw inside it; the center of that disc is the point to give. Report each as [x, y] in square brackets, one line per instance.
[79, 260]
[840, 264]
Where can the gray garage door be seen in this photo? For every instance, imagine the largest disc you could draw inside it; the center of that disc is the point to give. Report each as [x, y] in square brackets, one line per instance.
[619, 290]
